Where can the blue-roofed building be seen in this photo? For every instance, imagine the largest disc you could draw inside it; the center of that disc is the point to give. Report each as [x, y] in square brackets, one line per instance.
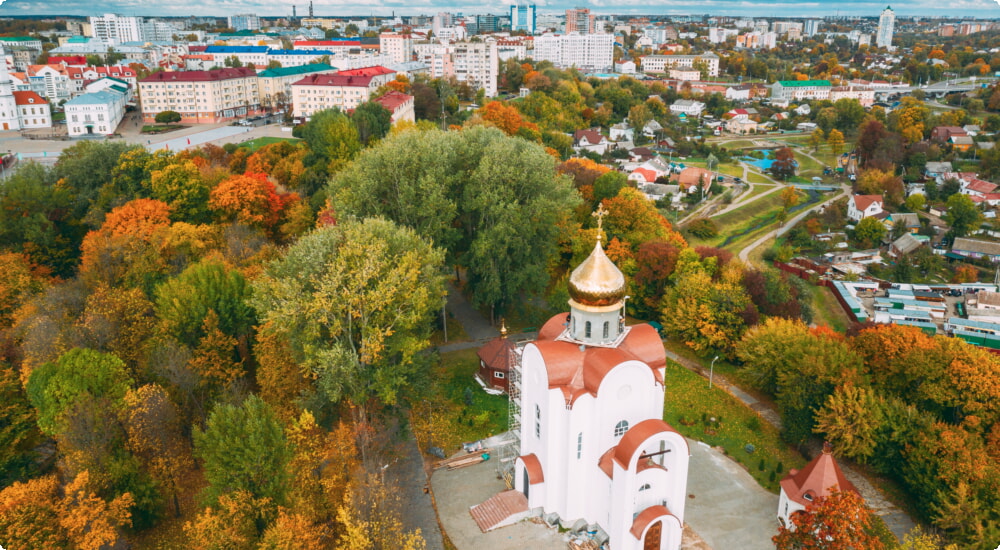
[95, 113]
[296, 58]
[248, 55]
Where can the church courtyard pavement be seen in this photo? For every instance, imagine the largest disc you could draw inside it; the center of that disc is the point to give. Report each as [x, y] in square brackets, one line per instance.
[729, 510]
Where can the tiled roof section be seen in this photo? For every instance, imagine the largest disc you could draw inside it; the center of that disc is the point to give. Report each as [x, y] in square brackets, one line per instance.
[981, 186]
[862, 202]
[335, 79]
[498, 353]
[646, 173]
[577, 371]
[293, 71]
[816, 480]
[28, 98]
[534, 469]
[393, 100]
[377, 70]
[633, 439]
[593, 136]
[645, 518]
[227, 73]
[972, 245]
[694, 175]
[68, 59]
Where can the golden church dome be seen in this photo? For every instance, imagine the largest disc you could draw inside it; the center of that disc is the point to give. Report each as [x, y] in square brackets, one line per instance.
[597, 281]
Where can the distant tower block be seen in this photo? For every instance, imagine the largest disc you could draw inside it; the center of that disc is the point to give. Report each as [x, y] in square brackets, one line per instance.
[310, 8]
[293, 12]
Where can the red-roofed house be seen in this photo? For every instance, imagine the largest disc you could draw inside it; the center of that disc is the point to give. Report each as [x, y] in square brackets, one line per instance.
[214, 96]
[496, 359]
[863, 206]
[945, 133]
[643, 175]
[976, 187]
[32, 110]
[694, 179]
[590, 140]
[317, 92]
[819, 478]
[399, 104]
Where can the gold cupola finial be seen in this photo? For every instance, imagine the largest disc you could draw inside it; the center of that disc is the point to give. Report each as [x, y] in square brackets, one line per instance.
[597, 281]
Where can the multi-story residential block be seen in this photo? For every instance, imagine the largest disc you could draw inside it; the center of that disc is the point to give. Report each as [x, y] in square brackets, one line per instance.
[801, 89]
[717, 35]
[275, 85]
[662, 63]
[49, 81]
[296, 58]
[336, 46]
[212, 96]
[117, 29]
[79, 77]
[587, 52]
[511, 49]
[23, 50]
[487, 23]
[399, 104]
[474, 62]
[886, 25]
[343, 90]
[318, 22]
[580, 20]
[32, 110]
[255, 55]
[522, 18]
[811, 27]
[97, 112]
[156, 30]
[244, 22]
[399, 47]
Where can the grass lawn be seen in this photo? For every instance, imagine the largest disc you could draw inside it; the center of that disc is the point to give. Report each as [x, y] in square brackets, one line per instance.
[257, 143]
[457, 410]
[689, 407]
[737, 144]
[727, 169]
[754, 177]
[827, 310]
[758, 189]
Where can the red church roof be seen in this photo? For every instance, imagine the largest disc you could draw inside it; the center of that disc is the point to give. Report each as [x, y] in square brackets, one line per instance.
[816, 479]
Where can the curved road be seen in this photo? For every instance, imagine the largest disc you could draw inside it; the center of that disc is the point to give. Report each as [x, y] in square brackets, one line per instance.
[745, 253]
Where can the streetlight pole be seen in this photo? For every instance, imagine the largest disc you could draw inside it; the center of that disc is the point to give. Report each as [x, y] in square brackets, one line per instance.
[711, 372]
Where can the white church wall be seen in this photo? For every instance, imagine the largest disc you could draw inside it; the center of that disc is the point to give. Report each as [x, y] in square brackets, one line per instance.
[626, 393]
[583, 465]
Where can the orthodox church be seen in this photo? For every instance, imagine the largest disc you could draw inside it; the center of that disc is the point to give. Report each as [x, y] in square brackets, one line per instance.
[593, 445]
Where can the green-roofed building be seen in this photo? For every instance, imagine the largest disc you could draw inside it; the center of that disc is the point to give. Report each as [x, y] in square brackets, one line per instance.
[801, 89]
[271, 82]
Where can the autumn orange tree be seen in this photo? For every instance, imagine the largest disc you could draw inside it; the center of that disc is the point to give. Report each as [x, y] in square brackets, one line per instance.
[249, 199]
[840, 521]
[505, 117]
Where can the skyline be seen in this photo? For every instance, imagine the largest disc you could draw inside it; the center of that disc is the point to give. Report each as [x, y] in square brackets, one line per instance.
[360, 8]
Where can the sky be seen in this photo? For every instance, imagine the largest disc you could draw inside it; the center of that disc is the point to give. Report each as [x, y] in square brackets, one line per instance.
[342, 8]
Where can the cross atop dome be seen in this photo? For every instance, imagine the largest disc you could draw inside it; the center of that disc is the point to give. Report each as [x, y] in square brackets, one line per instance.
[599, 214]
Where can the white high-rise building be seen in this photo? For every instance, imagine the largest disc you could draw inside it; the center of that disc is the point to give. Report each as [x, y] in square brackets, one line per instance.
[399, 47]
[117, 29]
[477, 63]
[886, 22]
[811, 27]
[244, 22]
[587, 52]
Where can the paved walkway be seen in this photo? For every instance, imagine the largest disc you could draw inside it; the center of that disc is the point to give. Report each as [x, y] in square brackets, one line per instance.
[410, 479]
[726, 506]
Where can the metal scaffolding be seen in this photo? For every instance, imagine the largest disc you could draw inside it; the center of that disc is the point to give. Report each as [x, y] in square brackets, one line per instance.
[511, 448]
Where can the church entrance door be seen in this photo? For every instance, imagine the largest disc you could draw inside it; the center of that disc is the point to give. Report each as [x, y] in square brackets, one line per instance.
[652, 541]
[526, 485]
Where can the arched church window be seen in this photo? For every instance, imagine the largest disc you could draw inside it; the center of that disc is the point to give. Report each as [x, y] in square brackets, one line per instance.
[579, 445]
[645, 487]
[607, 329]
[586, 330]
[538, 422]
[621, 428]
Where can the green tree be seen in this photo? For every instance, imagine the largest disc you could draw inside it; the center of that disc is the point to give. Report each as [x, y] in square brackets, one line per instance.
[183, 303]
[836, 141]
[916, 202]
[17, 428]
[608, 185]
[243, 448]
[372, 120]
[493, 202]
[167, 117]
[851, 419]
[355, 301]
[53, 388]
[181, 186]
[332, 139]
[869, 232]
[963, 216]
[816, 138]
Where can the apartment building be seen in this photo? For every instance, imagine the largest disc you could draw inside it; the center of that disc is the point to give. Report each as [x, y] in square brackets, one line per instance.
[275, 85]
[32, 110]
[587, 52]
[399, 47]
[244, 22]
[255, 55]
[662, 63]
[336, 46]
[296, 58]
[864, 95]
[116, 29]
[79, 77]
[580, 20]
[318, 92]
[218, 95]
[477, 63]
[399, 104]
[93, 113]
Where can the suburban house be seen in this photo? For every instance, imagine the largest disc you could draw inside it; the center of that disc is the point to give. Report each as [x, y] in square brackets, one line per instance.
[693, 179]
[904, 245]
[590, 140]
[864, 206]
[945, 133]
[643, 175]
[935, 169]
[910, 221]
[621, 132]
[741, 126]
[975, 187]
[973, 248]
[687, 107]
[961, 143]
